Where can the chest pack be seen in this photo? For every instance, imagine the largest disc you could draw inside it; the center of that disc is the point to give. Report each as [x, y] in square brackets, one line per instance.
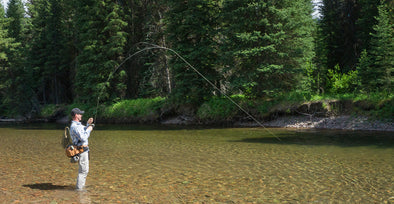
[73, 150]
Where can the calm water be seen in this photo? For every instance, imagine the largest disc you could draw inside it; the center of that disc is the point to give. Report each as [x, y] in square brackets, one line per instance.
[147, 164]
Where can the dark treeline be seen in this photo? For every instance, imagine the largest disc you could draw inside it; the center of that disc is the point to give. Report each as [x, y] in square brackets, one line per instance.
[66, 51]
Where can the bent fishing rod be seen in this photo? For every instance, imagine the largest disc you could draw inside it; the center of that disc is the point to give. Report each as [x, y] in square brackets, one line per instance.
[153, 46]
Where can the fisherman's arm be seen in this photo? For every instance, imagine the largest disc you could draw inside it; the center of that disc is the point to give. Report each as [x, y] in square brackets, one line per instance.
[84, 133]
[89, 125]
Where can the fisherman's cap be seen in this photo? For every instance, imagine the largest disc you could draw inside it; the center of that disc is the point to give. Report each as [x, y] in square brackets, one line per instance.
[76, 111]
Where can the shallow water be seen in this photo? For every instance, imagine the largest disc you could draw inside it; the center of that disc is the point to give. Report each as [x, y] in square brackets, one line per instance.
[148, 164]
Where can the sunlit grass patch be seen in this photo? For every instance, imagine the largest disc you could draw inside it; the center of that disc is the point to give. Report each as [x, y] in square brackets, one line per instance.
[134, 108]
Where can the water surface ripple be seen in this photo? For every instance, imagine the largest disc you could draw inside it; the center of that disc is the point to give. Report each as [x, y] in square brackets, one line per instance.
[147, 164]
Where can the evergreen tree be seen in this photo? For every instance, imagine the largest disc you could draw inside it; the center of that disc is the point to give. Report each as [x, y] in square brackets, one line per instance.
[191, 30]
[6, 43]
[3, 34]
[19, 96]
[48, 56]
[100, 42]
[148, 73]
[365, 22]
[268, 44]
[382, 51]
[364, 70]
[338, 31]
[6, 46]
[56, 66]
[15, 13]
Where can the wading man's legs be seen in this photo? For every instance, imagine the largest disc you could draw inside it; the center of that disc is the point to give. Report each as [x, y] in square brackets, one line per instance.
[83, 170]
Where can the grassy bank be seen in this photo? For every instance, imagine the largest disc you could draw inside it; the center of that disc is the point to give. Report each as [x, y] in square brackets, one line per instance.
[373, 106]
[219, 109]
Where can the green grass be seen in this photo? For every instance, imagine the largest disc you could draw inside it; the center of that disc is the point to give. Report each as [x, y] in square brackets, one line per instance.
[134, 108]
[218, 109]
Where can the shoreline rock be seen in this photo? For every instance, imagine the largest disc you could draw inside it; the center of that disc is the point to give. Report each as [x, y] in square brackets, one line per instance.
[344, 122]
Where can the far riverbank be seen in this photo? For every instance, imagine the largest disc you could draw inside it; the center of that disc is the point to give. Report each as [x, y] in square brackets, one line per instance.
[344, 122]
[323, 114]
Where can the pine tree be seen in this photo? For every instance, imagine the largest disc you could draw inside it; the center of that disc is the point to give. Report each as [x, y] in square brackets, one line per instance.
[3, 34]
[336, 20]
[19, 96]
[268, 44]
[7, 45]
[148, 73]
[100, 42]
[365, 22]
[382, 51]
[56, 66]
[191, 30]
[364, 71]
[48, 56]
[15, 13]
[113, 47]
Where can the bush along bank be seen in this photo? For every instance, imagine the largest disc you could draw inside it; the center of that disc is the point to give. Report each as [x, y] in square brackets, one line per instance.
[335, 113]
[345, 113]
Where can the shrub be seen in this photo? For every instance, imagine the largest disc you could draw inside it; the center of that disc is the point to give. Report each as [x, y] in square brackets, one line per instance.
[135, 108]
[48, 110]
[343, 83]
[218, 109]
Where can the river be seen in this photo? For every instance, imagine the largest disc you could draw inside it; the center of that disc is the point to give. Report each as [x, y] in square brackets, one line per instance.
[173, 164]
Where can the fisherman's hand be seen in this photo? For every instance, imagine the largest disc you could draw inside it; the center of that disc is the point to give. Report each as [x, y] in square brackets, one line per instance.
[90, 121]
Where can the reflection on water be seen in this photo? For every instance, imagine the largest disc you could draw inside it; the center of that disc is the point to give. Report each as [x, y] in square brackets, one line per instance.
[146, 164]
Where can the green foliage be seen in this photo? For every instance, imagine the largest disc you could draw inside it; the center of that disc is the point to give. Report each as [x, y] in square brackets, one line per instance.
[191, 30]
[100, 41]
[17, 95]
[48, 110]
[134, 108]
[218, 109]
[7, 45]
[339, 34]
[375, 66]
[382, 50]
[375, 104]
[50, 61]
[357, 34]
[312, 81]
[4, 39]
[15, 13]
[266, 55]
[364, 71]
[365, 22]
[67, 51]
[343, 83]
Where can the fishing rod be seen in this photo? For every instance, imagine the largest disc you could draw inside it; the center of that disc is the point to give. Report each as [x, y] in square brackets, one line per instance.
[153, 46]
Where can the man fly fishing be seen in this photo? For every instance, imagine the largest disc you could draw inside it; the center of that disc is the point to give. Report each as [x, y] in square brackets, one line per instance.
[80, 135]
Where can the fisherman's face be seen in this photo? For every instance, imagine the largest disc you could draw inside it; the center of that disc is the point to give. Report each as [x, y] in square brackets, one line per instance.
[78, 117]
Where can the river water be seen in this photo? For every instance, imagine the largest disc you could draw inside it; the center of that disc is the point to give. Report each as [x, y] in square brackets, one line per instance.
[156, 164]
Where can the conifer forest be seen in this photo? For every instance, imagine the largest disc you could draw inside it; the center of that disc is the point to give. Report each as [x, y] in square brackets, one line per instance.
[81, 52]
